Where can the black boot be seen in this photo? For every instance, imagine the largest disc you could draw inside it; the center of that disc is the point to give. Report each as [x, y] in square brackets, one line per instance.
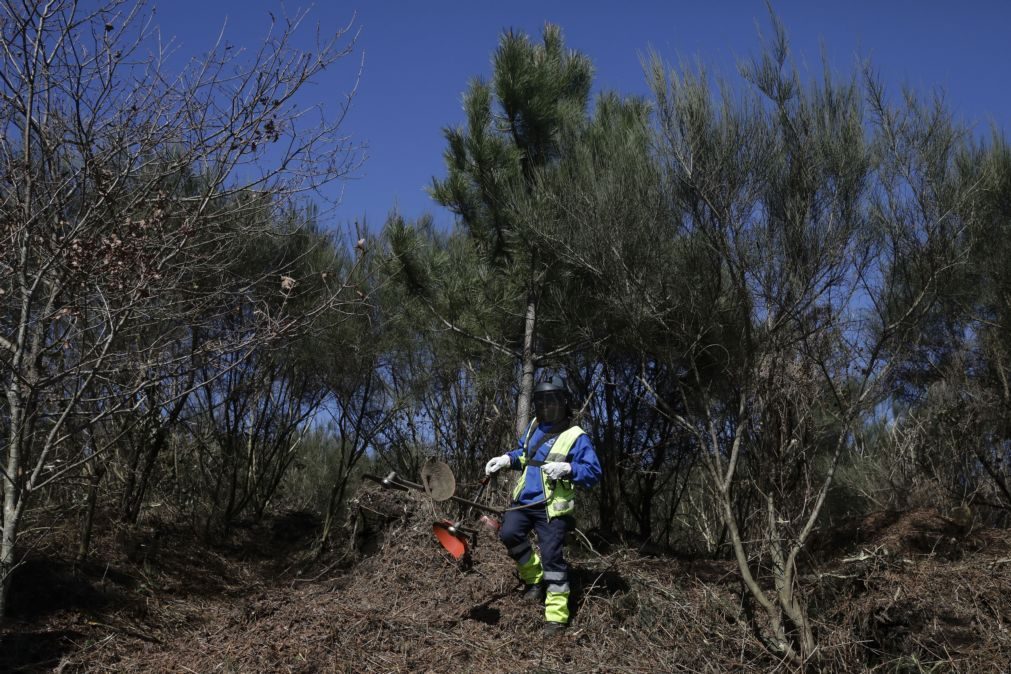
[553, 628]
[533, 593]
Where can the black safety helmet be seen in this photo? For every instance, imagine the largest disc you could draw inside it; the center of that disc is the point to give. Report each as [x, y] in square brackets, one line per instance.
[551, 400]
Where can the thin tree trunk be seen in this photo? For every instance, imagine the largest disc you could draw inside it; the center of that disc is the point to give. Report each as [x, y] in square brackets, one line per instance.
[333, 509]
[8, 537]
[610, 474]
[6, 558]
[9, 534]
[529, 363]
[95, 474]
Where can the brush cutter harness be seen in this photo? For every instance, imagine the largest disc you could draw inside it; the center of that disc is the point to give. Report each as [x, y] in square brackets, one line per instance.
[559, 495]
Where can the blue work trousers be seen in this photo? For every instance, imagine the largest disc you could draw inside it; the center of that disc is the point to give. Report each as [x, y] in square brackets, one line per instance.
[516, 527]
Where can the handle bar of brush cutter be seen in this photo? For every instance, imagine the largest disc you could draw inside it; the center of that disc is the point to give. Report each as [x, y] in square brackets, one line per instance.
[480, 490]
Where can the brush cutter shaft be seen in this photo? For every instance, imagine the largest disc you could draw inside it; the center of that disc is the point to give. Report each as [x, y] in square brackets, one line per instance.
[394, 481]
[479, 506]
[456, 528]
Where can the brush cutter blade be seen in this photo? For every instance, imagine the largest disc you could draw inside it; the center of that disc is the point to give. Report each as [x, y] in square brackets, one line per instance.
[455, 544]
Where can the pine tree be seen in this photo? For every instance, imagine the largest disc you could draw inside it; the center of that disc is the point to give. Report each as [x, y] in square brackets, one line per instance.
[515, 126]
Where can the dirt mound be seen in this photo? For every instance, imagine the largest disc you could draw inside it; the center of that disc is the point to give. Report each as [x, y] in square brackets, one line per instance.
[917, 590]
[406, 605]
[928, 532]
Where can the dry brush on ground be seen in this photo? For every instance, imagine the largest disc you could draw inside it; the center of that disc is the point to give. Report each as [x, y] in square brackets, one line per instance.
[895, 592]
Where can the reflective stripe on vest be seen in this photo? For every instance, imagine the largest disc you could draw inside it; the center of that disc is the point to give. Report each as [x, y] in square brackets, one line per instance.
[559, 494]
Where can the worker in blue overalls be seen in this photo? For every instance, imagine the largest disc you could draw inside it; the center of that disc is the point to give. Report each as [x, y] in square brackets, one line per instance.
[554, 456]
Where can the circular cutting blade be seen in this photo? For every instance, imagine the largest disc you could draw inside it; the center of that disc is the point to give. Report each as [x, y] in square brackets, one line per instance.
[438, 480]
[453, 544]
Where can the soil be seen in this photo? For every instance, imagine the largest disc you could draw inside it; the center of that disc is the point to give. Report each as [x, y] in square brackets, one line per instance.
[895, 592]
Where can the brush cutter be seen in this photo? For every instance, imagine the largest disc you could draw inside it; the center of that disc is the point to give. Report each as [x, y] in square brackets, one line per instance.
[448, 532]
[439, 484]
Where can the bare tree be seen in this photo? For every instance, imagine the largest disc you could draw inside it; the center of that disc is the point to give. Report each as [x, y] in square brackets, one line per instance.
[807, 215]
[754, 248]
[125, 190]
[955, 393]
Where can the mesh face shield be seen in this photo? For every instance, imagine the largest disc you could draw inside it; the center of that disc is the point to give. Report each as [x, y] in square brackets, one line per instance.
[550, 406]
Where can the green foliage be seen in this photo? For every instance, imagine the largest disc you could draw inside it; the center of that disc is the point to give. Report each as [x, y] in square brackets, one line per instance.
[320, 463]
[953, 255]
[514, 126]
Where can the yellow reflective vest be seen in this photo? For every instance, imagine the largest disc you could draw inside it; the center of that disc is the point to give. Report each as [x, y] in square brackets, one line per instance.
[559, 495]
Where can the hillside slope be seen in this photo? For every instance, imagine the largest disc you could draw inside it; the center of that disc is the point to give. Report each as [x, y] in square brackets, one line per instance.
[894, 592]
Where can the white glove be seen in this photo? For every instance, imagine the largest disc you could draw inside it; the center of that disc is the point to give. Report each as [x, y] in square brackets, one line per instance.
[556, 470]
[497, 464]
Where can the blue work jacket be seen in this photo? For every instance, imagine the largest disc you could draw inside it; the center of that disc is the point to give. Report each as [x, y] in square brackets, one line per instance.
[582, 458]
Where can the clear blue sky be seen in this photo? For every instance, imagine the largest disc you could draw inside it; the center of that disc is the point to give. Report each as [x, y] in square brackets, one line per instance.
[419, 57]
